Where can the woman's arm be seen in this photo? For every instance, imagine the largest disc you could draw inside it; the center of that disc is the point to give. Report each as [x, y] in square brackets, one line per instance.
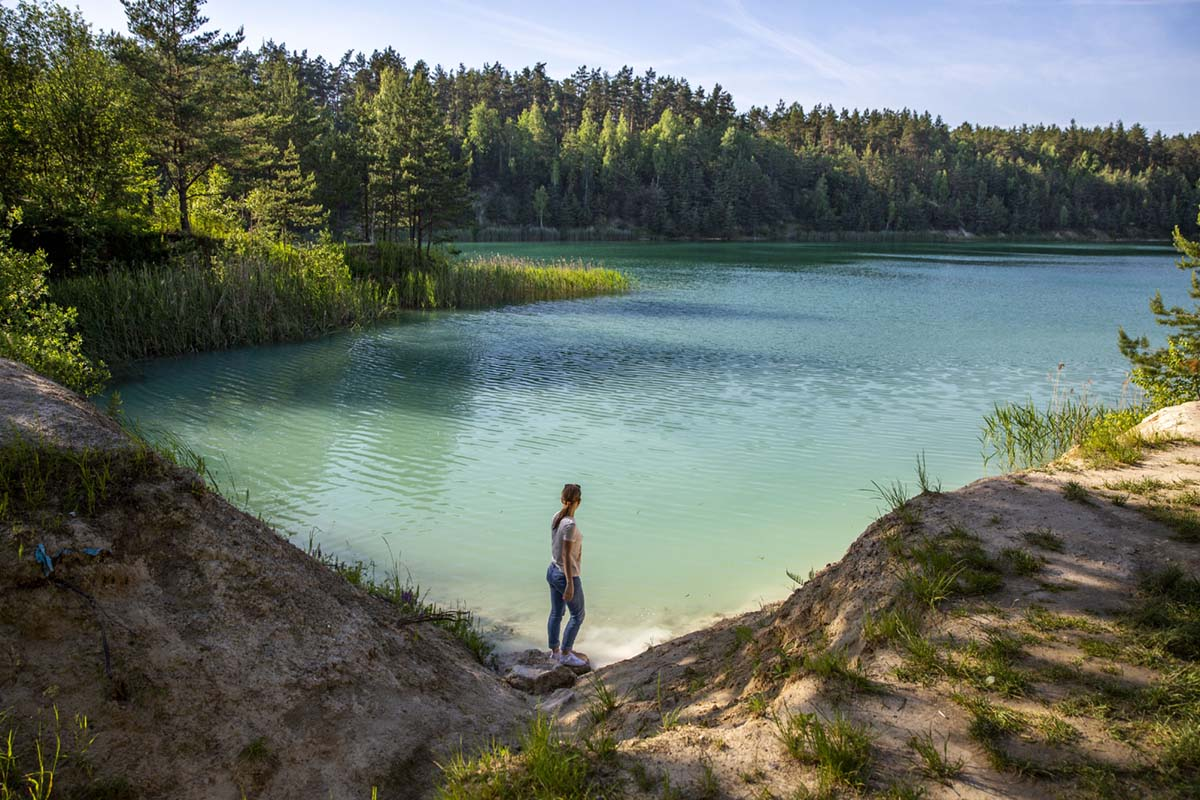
[565, 558]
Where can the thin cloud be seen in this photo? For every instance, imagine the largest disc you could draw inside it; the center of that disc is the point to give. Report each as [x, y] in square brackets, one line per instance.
[542, 38]
[818, 58]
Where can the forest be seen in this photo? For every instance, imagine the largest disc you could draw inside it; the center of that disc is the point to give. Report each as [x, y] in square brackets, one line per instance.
[111, 142]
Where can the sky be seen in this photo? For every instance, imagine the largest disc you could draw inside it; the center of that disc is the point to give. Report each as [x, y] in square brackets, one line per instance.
[992, 62]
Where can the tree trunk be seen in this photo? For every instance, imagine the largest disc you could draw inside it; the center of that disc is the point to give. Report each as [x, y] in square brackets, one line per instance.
[181, 188]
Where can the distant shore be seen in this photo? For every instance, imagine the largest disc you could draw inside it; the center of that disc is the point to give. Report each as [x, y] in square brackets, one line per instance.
[533, 234]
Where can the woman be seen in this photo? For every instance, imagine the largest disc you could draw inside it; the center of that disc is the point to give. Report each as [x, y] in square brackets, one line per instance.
[566, 549]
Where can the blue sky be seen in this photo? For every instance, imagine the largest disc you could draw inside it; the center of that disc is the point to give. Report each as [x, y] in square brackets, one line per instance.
[1000, 62]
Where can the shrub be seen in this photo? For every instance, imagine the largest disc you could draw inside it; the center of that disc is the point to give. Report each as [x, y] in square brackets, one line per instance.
[38, 332]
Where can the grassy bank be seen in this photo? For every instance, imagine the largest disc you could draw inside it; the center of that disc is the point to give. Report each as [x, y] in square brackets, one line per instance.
[439, 281]
[249, 293]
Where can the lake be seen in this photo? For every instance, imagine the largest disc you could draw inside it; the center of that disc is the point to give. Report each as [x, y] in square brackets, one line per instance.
[726, 419]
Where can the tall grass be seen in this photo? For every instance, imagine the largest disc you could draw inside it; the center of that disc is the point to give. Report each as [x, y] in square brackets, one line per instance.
[246, 291]
[239, 296]
[438, 281]
[1021, 435]
[545, 767]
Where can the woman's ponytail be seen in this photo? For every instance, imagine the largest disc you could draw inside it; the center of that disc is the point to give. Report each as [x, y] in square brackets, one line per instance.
[571, 494]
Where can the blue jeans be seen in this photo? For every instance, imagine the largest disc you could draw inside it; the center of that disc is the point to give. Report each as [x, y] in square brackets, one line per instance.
[558, 585]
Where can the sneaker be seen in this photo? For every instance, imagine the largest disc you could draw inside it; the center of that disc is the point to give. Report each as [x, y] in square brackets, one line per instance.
[572, 660]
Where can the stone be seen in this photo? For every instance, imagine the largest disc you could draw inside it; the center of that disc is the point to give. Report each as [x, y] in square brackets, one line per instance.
[539, 679]
[535, 672]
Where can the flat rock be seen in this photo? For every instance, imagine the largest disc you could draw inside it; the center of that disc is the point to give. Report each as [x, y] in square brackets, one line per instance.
[535, 672]
[539, 679]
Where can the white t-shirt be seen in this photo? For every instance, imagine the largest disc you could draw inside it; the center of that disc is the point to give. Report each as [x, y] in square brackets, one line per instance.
[567, 531]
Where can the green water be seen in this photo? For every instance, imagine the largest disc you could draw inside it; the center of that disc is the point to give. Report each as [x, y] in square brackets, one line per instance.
[725, 420]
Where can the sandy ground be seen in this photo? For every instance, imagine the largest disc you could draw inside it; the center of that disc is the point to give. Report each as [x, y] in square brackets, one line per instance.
[725, 745]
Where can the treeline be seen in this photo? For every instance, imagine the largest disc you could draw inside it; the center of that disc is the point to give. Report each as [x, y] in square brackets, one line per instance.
[107, 140]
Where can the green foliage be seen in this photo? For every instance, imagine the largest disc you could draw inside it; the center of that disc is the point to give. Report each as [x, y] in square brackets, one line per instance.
[933, 570]
[188, 90]
[34, 756]
[250, 290]
[1171, 374]
[37, 332]
[247, 292]
[1021, 435]
[1044, 538]
[839, 748]
[1168, 612]
[72, 156]
[1020, 562]
[544, 768]
[434, 280]
[418, 184]
[284, 204]
[935, 762]
[461, 623]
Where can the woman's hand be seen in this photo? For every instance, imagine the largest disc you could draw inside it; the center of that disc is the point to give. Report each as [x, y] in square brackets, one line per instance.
[569, 593]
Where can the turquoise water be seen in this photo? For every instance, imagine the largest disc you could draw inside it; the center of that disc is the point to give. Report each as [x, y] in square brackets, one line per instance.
[725, 420]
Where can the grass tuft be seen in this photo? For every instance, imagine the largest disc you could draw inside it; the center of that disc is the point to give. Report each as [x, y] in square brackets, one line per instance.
[1074, 491]
[546, 767]
[935, 762]
[1045, 539]
[839, 748]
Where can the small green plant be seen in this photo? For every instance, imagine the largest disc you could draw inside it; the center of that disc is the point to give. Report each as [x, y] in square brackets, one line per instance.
[839, 748]
[1020, 562]
[936, 762]
[756, 704]
[896, 498]
[1045, 539]
[668, 719]
[1074, 491]
[930, 581]
[990, 725]
[891, 624]
[256, 750]
[1056, 730]
[927, 486]
[1143, 487]
[708, 788]
[833, 664]
[642, 777]
[742, 636]
[603, 701]
[1183, 520]
[1167, 614]
[1040, 619]
[545, 768]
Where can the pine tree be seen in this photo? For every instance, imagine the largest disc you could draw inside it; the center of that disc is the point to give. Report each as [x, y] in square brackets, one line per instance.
[186, 81]
[1171, 374]
[285, 203]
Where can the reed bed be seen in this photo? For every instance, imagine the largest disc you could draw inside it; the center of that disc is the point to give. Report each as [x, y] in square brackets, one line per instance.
[437, 281]
[249, 294]
[237, 298]
[1022, 435]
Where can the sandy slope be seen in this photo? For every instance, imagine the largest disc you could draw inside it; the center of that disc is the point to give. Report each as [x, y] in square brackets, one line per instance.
[223, 634]
[709, 677]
